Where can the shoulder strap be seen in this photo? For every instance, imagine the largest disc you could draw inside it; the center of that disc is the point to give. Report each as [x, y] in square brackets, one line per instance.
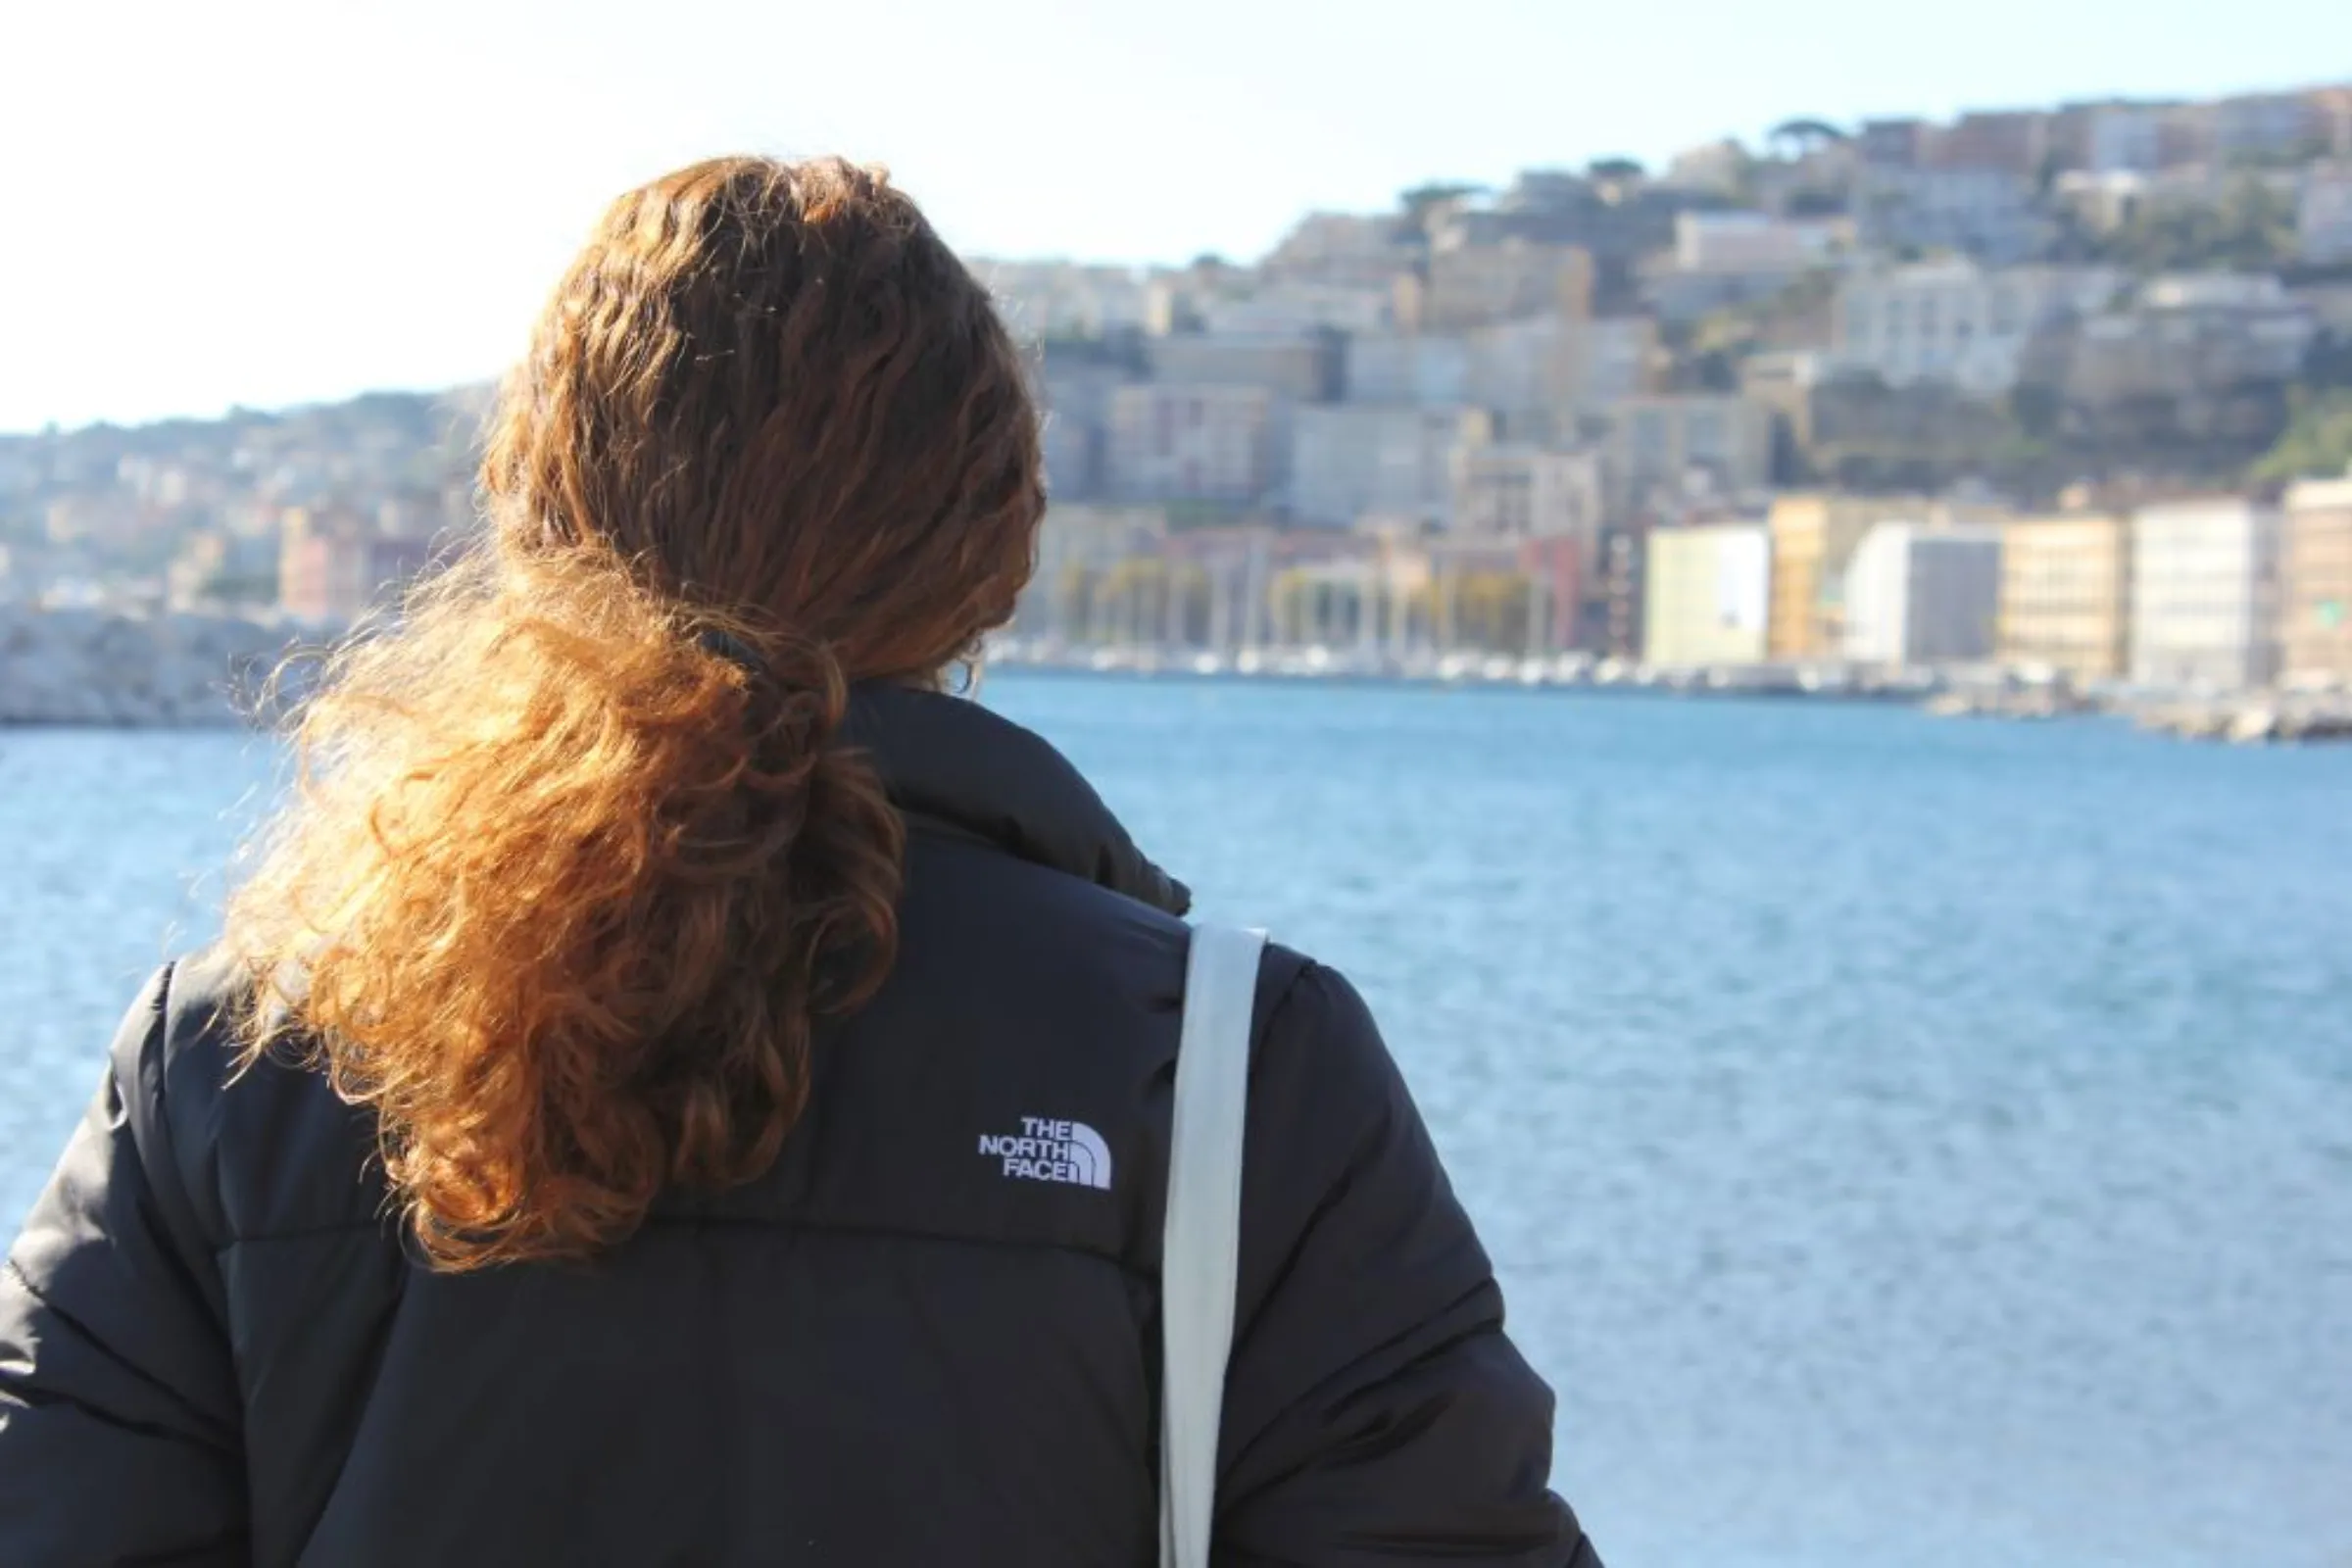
[1200, 1251]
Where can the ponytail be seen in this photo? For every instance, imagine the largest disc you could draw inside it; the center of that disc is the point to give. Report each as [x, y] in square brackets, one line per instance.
[568, 876]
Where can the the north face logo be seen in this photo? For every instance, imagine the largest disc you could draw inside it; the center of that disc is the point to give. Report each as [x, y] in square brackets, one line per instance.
[1046, 1151]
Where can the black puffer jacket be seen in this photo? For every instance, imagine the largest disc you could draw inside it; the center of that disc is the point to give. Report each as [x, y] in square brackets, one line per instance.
[902, 1345]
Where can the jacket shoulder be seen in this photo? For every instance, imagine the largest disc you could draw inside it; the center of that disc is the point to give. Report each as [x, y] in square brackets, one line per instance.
[262, 1148]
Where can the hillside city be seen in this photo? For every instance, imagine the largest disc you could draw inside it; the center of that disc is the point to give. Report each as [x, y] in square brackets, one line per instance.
[2065, 392]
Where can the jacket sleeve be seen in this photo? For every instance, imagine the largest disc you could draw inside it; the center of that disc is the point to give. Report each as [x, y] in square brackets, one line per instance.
[119, 1438]
[1374, 1413]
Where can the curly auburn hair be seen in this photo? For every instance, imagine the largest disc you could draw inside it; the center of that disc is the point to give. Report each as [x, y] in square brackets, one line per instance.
[576, 857]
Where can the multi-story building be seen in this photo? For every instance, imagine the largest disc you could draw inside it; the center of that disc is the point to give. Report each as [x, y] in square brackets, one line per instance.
[1073, 381]
[1064, 299]
[1918, 596]
[1467, 284]
[2178, 354]
[2316, 618]
[334, 566]
[1718, 442]
[1351, 460]
[1296, 309]
[2204, 593]
[1343, 249]
[1192, 443]
[1989, 214]
[2009, 141]
[1602, 363]
[1518, 490]
[2270, 125]
[2323, 216]
[1814, 536]
[2124, 138]
[2066, 595]
[1756, 242]
[1813, 540]
[2331, 108]
[1715, 168]
[1704, 595]
[216, 568]
[1429, 369]
[1723, 259]
[1296, 366]
[1538, 375]
[1956, 323]
[1893, 143]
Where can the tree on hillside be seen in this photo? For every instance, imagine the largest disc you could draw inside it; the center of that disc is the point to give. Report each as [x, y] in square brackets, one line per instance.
[1796, 137]
[1415, 205]
[2251, 228]
[2318, 444]
[1436, 194]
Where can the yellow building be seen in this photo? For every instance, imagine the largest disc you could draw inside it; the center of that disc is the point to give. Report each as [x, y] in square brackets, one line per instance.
[1704, 598]
[2066, 595]
[2316, 619]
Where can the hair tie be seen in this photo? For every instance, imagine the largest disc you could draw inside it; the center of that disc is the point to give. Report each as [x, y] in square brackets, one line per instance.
[720, 643]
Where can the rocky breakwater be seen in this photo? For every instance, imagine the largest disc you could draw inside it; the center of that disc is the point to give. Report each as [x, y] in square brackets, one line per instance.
[117, 667]
[2270, 720]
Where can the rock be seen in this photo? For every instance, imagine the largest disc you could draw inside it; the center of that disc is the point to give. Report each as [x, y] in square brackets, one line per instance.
[85, 666]
[2254, 727]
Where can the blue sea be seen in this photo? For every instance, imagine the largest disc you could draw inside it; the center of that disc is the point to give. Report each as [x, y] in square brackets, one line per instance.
[1902, 1141]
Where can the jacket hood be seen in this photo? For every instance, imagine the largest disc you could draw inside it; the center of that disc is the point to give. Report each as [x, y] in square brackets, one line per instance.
[952, 762]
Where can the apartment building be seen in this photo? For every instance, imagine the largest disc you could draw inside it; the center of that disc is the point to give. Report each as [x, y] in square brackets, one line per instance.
[2066, 595]
[2204, 593]
[2316, 598]
[1705, 590]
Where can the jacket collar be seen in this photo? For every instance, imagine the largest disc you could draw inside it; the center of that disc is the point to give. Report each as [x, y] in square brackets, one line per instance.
[953, 761]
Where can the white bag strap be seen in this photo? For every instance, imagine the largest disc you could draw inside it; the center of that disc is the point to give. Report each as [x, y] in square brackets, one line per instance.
[1199, 1253]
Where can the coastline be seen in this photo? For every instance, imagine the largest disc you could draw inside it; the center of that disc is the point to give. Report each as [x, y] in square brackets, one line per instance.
[129, 670]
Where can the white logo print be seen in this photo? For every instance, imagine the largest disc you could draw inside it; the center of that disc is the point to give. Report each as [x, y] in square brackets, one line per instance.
[1047, 1150]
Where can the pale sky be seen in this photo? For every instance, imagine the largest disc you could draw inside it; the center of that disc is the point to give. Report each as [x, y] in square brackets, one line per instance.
[250, 200]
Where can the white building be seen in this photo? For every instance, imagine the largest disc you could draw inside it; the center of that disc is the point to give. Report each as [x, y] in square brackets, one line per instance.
[1725, 259]
[1959, 324]
[1755, 242]
[1350, 461]
[1465, 285]
[1706, 593]
[1298, 309]
[2125, 139]
[1920, 595]
[1605, 362]
[2215, 292]
[1989, 214]
[1518, 490]
[1537, 374]
[1293, 365]
[1714, 442]
[2204, 595]
[1192, 443]
[1427, 368]
[2263, 124]
[2323, 216]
